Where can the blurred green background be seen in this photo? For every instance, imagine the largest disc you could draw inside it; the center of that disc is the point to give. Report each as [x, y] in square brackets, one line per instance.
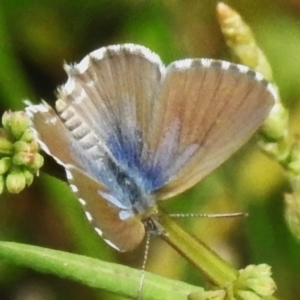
[37, 36]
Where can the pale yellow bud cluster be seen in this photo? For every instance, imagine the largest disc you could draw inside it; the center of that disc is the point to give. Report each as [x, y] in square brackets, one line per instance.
[19, 157]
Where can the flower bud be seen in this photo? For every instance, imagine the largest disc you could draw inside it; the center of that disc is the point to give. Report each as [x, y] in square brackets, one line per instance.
[22, 158]
[6, 117]
[27, 136]
[292, 214]
[23, 154]
[15, 181]
[5, 163]
[16, 123]
[28, 177]
[6, 147]
[276, 125]
[37, 162]
[254, 283]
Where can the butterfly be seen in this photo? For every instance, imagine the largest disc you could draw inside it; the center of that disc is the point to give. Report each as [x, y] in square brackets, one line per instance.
[130, 131]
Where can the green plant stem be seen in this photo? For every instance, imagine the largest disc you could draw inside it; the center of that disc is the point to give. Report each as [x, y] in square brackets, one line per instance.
[95, 273]
[219, 272]
[276, 138]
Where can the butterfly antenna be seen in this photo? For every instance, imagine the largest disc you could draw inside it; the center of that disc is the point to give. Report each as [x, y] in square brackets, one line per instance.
[228, 215]
[144, 265]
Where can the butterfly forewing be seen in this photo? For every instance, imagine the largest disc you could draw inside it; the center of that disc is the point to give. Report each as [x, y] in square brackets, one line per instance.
[213, 110]
[112, 91]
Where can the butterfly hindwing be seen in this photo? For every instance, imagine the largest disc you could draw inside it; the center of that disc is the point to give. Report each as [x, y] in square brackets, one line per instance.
[123, 235]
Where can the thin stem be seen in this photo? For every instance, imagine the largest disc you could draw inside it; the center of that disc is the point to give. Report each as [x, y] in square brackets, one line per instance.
[197, 253]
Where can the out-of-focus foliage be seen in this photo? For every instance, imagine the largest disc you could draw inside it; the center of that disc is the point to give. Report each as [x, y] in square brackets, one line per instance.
[37, 36]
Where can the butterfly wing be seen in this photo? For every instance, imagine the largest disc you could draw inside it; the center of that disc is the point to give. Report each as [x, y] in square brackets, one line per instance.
[206, 110]
[111, 91]
[47, 124]
[123, 235]
[55, 139]
[103, 112]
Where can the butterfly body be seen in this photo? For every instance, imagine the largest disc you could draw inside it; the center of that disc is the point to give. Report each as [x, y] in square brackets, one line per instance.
[130, 131]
